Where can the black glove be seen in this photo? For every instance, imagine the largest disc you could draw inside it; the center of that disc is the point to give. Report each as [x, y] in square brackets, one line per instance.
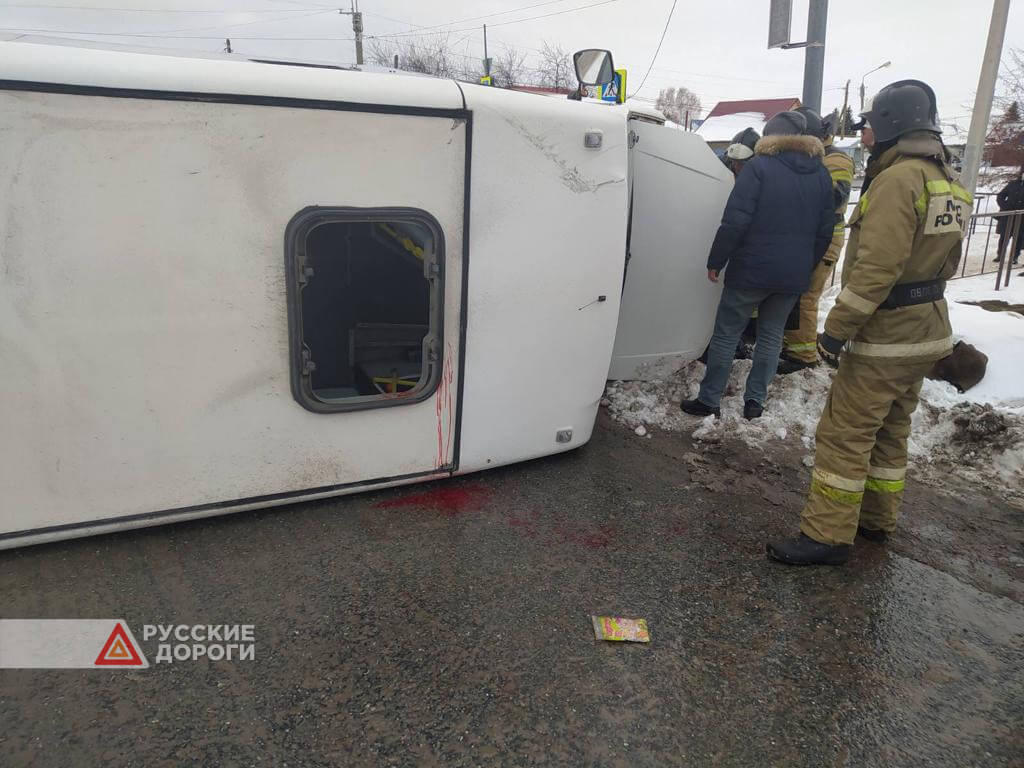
[829, 349]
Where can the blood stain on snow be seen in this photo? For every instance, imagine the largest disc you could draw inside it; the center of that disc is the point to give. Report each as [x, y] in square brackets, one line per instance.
[449, 502]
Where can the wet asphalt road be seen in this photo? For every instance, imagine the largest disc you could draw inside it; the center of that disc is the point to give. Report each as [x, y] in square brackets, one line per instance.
[448, 625]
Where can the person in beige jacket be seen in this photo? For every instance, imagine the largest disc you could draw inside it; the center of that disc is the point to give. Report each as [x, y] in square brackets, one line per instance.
[800, 347]
[889, 326]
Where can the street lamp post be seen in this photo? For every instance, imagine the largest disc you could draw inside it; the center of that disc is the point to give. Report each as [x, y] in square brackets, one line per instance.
[880, 66]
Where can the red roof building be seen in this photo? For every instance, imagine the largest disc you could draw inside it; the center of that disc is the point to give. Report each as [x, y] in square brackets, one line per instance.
[767, 107]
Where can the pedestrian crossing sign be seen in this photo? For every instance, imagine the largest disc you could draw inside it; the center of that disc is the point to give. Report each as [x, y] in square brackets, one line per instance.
[615, 91]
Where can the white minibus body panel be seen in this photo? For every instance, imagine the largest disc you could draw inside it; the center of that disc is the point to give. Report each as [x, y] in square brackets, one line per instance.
[231, 285]
[679, 190]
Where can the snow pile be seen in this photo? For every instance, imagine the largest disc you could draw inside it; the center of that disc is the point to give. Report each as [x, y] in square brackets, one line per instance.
[795, 402]
[1000, 335]
[724, 127]
[979, 433]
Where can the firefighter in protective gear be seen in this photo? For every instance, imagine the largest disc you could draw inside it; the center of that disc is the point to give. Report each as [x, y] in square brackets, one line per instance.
[890, 323]
[799, 348]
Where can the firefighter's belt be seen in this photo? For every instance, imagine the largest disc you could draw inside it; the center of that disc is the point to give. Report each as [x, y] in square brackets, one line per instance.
[910, 294]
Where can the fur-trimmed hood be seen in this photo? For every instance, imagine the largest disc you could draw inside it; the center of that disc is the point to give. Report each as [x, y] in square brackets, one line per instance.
[774, 145]
[801, 154]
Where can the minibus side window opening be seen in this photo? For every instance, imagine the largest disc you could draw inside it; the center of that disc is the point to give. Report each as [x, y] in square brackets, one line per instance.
[368, 296]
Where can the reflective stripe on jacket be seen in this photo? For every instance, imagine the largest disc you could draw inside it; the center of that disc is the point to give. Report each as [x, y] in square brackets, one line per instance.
[840, 167]
[907, 228]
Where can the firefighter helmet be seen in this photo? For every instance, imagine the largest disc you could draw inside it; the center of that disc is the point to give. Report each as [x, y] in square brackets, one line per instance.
[901, 107]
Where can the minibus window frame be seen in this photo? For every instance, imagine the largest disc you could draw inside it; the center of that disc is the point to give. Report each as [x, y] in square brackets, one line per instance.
[296, 233]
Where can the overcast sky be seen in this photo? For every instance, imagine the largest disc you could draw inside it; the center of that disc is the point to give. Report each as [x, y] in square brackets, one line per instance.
[714, 47]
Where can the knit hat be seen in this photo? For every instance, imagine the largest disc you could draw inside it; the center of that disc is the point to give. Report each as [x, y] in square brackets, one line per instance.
[813, 127]
[786, 124]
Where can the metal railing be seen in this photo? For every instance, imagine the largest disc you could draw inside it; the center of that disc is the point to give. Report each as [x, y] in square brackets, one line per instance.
[986, 250]
[997, 254]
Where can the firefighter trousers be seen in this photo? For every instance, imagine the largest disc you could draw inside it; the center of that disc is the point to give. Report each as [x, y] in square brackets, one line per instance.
[860, 461]
[802, 343]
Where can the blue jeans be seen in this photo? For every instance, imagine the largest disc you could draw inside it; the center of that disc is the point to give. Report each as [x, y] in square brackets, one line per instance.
[734, 311]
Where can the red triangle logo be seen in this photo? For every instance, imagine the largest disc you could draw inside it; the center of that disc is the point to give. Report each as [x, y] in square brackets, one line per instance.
[119, 651]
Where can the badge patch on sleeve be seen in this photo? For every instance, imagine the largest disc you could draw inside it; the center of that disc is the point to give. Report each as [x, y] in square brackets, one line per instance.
[946, 214]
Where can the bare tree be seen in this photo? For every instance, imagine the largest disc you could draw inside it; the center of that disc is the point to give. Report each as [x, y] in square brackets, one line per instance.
[1011, 79]
[555, 70]
[675, 103]
[510, 67]
[429, 55]
[1004, 144]
[382, 52]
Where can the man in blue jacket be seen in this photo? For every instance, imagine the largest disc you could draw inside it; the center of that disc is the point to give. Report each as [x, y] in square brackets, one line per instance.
[776, 227]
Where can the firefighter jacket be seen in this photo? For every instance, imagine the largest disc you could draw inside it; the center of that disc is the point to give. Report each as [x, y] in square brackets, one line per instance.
[840, 167]
[907, 229]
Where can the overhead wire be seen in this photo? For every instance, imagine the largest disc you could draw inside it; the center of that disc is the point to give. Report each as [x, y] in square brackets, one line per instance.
[422, 27]
[226, 11]
[421, 30]
[657, 50]
[171, 33]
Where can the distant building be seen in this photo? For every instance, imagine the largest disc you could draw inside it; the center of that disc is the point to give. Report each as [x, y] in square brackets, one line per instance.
[851, 146]
[730, 117]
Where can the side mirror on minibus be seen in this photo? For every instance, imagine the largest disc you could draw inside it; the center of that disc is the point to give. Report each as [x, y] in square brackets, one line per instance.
[594, 66]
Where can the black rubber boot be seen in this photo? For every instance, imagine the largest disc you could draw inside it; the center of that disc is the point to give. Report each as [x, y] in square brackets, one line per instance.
[803, 550]
[752, 410]
[789, 365]
[872, 534]
[697, 408]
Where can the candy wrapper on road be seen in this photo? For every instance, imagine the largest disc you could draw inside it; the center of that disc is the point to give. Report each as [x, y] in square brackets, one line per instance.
[618, 629]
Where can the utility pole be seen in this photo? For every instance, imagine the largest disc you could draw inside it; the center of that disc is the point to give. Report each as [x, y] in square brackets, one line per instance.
[487, 61]
[986, 91]
[779, 23]
[814, 55]
[842, 115]
[357, 28]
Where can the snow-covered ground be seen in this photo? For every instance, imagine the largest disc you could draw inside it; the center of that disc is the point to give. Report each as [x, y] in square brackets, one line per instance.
[979, 433]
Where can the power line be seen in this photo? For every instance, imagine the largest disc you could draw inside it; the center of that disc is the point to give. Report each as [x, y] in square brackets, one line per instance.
[391, 18]
[178, 37]
[421, 30]
[658, 49]
[245, 23]
[36, 6]
[170, 33]
[719, 77]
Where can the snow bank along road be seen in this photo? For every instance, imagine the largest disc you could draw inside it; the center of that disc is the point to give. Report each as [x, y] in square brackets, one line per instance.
[977, 436]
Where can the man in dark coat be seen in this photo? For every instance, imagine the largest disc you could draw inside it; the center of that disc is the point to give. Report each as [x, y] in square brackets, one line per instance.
[776, 227]
[1011, 199]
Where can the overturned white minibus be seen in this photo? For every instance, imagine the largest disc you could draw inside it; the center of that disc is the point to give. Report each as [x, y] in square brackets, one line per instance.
[229, 284]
